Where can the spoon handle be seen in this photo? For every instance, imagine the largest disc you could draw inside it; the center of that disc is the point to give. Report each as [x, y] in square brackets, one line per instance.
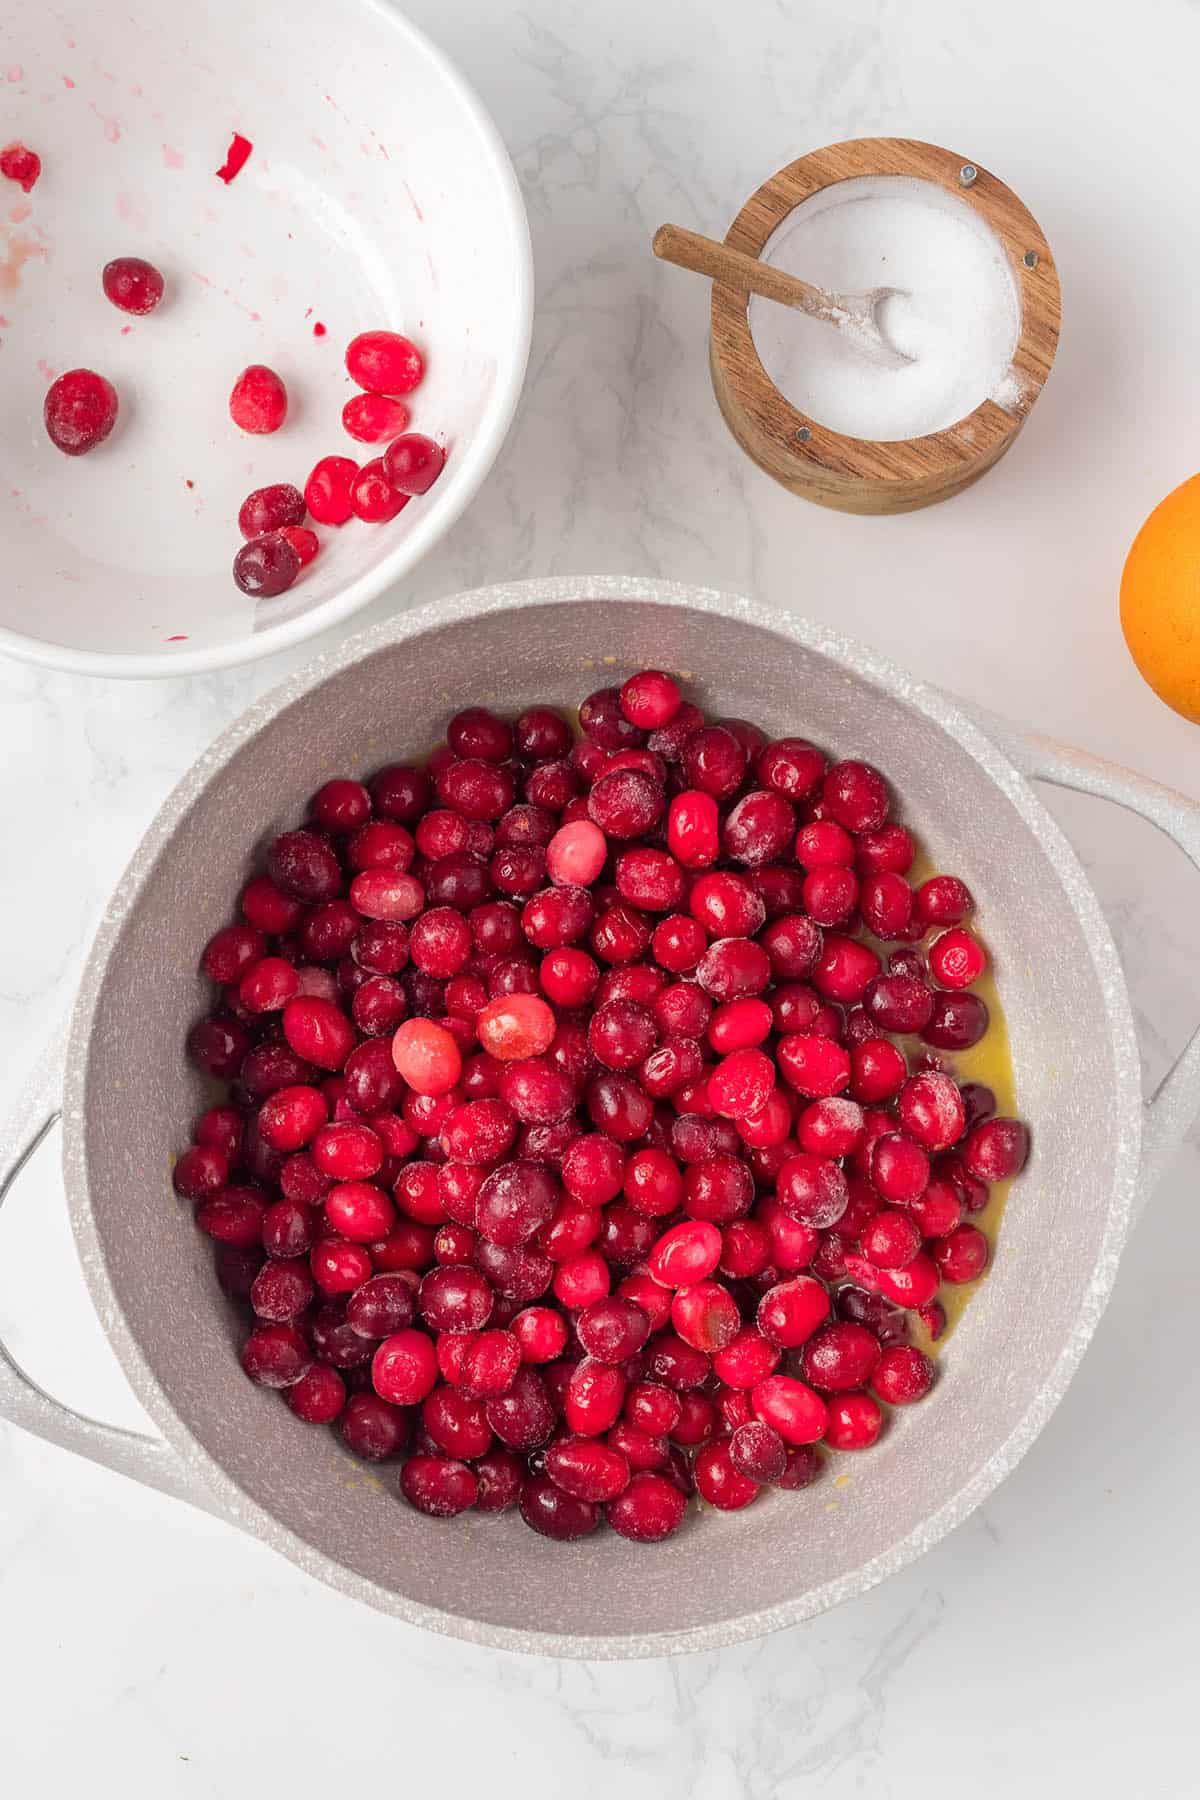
[704, 256]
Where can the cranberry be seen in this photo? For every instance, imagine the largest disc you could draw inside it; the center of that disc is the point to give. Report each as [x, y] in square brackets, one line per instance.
[650, 699]
[380, 1307]
[523, 1418]
[281, 1291]
[518, 1273]
[593, 1170]
[749, 1358]
[304, 542]
[498, 1475]
[886, 902]
[200, 1172]
[516, 1200]
[899, 1003]
[372, 497]
[996, 1149]
[233, 1215]
[131, 284]
[956, 959]
[844, 969]
[887, 851]
[791, 1311]
[438, 1485]
[550, 1510]
[902, 1374]
[266, 566]
[855, 795]
[318, 1397]
[706, 1316]
[383, 362]
[275, 1356]
[757, 1451]
[855, 1422]
[962, 1255]
[20, 164]
[877, 1071]
[813, 1190]
[329, 489]
[404, 1368]
[956, 1021]
[891, 1239]
[914, 1285]
[258, 402]
[933, 1317]
[373, 1429]
[719, 1482]
[944, 900]
[412, 463]
[714, 761]
[427, 1056]
[80, 411]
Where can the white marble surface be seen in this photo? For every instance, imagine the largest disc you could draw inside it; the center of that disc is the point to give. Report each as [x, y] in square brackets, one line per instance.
[148, 1650]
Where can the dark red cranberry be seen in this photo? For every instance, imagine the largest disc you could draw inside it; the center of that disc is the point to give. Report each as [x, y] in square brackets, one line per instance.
[80, 411]
[266, 566]
[956, 1021]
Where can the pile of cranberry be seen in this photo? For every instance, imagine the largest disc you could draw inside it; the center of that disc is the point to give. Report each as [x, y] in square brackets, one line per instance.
[568, 1147]
[81, 407]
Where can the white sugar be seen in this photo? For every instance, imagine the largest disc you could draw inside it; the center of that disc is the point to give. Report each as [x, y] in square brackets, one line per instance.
[958, 317]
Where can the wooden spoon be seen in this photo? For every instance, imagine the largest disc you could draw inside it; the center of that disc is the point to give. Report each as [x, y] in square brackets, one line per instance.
[857, 315]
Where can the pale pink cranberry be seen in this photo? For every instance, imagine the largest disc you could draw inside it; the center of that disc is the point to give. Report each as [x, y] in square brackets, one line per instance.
[427, 1056]
[516, 1026]
[373, 418]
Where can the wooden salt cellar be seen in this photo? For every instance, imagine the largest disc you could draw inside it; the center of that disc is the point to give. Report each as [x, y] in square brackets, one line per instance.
[859, 475]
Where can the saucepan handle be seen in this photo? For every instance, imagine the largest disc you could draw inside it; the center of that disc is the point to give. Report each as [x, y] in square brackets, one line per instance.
[22, 1402]
[1174, 1107]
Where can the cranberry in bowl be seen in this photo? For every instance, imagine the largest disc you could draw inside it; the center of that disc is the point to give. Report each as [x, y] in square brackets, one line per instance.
[462, 1546]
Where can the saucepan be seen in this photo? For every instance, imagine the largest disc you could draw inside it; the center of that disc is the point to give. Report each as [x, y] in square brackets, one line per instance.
[126, 1096]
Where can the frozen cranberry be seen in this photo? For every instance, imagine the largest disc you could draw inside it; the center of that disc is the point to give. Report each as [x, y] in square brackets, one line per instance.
[523, 1418]
[914, 1285]
[373, 1429]
[650, 699]
[426, 1056]
[412, 463]
[132, 285]
[714, 761]
[80, 411]
[933, 1317]
[719, 1482]
[548, 1509]
[281, 1291]
[956, 959]
[931, 1110]
[962, 1255]
[541, 1332]
[891, 1239]
[898, 1003]
[498, 1475]
[383, 362]
[380, 1307]
[301, 863]
[886, 903]
[812, 1189]
[404, 1368]
[758, 1452]
[747, 1359]
[840, 1356]
[877, 1071]
[593, 1170]
[329, 489]
[360, 1211]
[275, 1356]
[944, 900]
[409, 1246]
[791, 1311]
[815, 1066]
[232, 1215]
[618, 1107]
[258, 402]
[956, 1021]
[516, 1026]
[318, 1031]
[318, 1397]
[902, 1374]
[200, 1171]
[996, 1149]
[490, 1363]
[439, 1486]
[855, 1422]
[887, 851]
[844, 968]
[625, 804]
[515, 1201]
[718, 1190]
[706, 1316]
[266, 566]
[790, 766]
[855, 795]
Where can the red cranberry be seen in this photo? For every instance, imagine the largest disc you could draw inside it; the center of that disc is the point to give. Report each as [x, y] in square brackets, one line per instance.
[902, 1374]
[372, 496]
[757, 1451]
[275, 1356]
[438, 1485]
[498, 1475]
[515, 1201]
[580, 1280]
[587, 1469]
[840, 1356]
[650, 1509]
[956, 1021]
[404, 1368]
[80, 411]
[706, 1316]
[962, 1255]
[944, 900]
[956, 959]
[914, 1285]
[899, 1003]
[200, 1172]
[281, 1291]
[714, 761]
[258, 402]
[383, 362]
[131, 284]
[373, 1429]
[20, 164]
[886, 902]
[791, 1311]
[855, 1422]
[888, 851]
[266, 566]
[719, 1482]
[318, 1397]
[790, 766]
[329, 489]
[813, 1190]
[855, 795]
[650, 699]
[996, 1149]
[373, 418]
[844, 969]
[380, 1307]
[519, 1274]
[412, 463]
[891, 1239]
[548, 1509]
[791, 1408]
[523, 1418]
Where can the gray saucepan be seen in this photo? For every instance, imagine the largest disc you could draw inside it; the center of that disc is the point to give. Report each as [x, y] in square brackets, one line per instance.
[127, 1096]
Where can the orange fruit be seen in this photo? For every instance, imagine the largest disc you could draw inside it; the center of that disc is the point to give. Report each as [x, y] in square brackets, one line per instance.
[1160, 599]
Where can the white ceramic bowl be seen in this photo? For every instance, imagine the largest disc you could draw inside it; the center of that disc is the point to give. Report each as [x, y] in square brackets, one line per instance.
[378, 194]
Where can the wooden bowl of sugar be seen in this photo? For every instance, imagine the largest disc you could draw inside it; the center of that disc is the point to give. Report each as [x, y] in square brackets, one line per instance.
[978, 315]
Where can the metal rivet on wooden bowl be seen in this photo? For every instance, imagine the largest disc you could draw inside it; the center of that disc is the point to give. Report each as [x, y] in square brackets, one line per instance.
[861, 475]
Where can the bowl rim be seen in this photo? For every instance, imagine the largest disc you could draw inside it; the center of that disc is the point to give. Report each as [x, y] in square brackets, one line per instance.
[470, 469]
[228, 1497]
